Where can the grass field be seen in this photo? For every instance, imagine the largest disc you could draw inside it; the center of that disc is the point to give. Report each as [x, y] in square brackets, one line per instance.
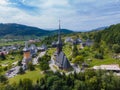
[33, 75]
[66, 49]
[51, 51]
[96, 62]
[9, 59]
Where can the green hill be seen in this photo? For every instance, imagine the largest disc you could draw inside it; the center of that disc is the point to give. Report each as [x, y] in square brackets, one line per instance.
[14, 29]
[110, 35]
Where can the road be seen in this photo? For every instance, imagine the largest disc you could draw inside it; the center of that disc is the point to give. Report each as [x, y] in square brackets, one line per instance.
[35, 60]
[51, 65]
[12, 72]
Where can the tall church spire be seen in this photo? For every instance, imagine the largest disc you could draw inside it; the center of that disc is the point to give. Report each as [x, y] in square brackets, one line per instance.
[59, 33]
[59, 43]
[61, 60]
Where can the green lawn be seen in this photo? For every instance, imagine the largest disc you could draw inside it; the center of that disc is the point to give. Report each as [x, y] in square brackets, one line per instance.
[33, 75]
[67, 49]
[107, 60]
[97, 62]
[51, 51]
[9, 59]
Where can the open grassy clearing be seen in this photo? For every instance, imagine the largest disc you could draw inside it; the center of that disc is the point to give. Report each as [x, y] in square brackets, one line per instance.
[33, 75]
[67, 49]
[51, 51]
[11, 58]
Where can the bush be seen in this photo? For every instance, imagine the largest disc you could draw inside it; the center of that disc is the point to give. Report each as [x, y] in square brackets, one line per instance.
[2, 79]
[116, 48]
[21, 71]
[44, 65]
[2, 56]
[99, 56]
[31, 66]
[78, 60]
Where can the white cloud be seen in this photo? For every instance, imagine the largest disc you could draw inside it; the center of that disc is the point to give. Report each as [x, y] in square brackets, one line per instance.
[74, 14]
[4, 2]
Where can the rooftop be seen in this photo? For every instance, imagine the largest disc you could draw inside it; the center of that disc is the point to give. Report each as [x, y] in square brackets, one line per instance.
[108, 67]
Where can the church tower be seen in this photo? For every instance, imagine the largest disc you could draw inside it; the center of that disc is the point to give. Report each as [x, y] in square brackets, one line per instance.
[59, 42]
[26, 53]
[61, 59]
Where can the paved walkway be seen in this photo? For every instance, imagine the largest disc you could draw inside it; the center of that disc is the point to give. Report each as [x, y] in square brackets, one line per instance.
[12, 72]
[35, 60]
[51, 65]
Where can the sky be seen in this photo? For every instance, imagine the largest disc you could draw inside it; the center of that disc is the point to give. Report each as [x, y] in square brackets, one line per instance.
[77, 15]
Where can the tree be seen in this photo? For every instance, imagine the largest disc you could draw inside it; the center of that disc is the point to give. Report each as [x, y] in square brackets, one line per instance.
[21, 71]
[58, 85]
[74, 51]
[99, 56]
[31, 66]
[50, 80]
[3, 56]
[19, 63]
[2, 79]
[44, 58]
[92, 83]
[1, 69]
[78, 60]
[27, 84]
[116, 48]
[95, 46]
[79, 85]
[44, 65]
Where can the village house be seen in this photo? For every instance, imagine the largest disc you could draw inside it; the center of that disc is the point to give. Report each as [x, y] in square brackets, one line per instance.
[42, 48]
[77, 41]
[33, 50]
[34, 40]
[68, 39]
[26, 54]
[6, 49]
[54, 44]
[88, 42]
[73, 41]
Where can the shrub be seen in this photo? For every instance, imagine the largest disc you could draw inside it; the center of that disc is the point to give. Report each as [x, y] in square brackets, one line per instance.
[99, 56]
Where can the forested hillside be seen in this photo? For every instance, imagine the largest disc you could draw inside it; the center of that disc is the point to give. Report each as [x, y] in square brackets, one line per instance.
[17, 29]
[13, 29]
[110, 35]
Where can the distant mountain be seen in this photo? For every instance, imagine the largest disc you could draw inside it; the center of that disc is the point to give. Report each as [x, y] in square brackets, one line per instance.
[92, 30]
[13, 29]
[63, 31]
[100, 28]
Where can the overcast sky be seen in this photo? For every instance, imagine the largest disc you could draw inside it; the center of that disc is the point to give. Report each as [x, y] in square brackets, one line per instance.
[74, 14]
